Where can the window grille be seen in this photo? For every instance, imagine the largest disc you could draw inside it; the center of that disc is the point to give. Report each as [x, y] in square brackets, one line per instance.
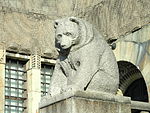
[46, 74]
[15, 78]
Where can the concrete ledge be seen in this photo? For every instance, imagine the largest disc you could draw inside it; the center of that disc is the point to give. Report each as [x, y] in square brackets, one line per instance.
[144, 106]
[74, 100]
[46, 101]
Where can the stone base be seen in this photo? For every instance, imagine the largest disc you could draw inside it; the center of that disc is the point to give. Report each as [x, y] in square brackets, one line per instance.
[86, 102]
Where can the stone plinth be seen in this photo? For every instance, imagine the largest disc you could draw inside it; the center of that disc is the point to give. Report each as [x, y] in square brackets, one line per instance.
[85, 102]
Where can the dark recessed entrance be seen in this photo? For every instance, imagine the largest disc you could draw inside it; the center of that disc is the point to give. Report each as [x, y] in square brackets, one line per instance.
[132, 82]
[137, 91]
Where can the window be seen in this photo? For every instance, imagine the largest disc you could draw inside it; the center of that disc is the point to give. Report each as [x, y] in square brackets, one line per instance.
[15, 78]
[46, 74]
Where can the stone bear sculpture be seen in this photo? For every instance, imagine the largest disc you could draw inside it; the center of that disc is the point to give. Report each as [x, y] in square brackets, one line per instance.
[85, 60]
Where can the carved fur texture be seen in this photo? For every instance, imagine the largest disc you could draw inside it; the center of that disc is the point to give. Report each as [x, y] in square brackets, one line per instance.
[86, 63]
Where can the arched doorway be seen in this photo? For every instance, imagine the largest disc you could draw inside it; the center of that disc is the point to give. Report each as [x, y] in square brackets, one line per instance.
[137, 91]
[132, 83]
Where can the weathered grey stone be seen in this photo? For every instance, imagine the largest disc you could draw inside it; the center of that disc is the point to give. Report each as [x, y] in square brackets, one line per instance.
[86, 102]
[23, 33]
[143, 106]
[20, 20]
[85, 60]
[112, 17]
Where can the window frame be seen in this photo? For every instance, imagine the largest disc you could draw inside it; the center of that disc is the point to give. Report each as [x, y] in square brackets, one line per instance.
[44, 83]
[12, 102]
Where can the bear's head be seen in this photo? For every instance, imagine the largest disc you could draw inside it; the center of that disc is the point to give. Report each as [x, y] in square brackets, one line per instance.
[72, 33]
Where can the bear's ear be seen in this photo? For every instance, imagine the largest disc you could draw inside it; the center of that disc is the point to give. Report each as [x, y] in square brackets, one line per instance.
[74, 19]
[55, 24]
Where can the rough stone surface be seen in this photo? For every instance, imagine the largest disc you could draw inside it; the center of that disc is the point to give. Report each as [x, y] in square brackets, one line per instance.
[85, 60]
[112, 18]
[27, 23]
[143, 106]
[87, 102]
[24, 33]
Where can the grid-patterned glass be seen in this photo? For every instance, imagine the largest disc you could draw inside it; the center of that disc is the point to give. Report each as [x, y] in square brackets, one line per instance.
[46, 74]
[15, 78]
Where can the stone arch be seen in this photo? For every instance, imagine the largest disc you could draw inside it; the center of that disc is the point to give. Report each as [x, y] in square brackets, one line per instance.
[132, 82]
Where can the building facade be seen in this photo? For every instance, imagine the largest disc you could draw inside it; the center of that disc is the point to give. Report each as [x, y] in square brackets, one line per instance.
[28, 55]
[24, 79]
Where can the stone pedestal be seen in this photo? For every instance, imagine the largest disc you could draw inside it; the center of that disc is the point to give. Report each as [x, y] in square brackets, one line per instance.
[85, 102]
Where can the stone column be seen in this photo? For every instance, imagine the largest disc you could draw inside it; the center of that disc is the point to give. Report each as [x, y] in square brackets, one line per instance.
[2, 80]
[33, 83]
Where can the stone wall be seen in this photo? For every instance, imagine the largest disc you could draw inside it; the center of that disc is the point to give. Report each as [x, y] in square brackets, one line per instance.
[135, 48]
[113, 18]
[27, 24]
[37, 6]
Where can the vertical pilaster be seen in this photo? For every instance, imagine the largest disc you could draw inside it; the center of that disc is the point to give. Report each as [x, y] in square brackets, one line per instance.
[2, 80]
[33, 83]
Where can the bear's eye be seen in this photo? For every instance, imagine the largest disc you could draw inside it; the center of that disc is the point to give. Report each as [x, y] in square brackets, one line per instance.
[59, 36]
[68, 34]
